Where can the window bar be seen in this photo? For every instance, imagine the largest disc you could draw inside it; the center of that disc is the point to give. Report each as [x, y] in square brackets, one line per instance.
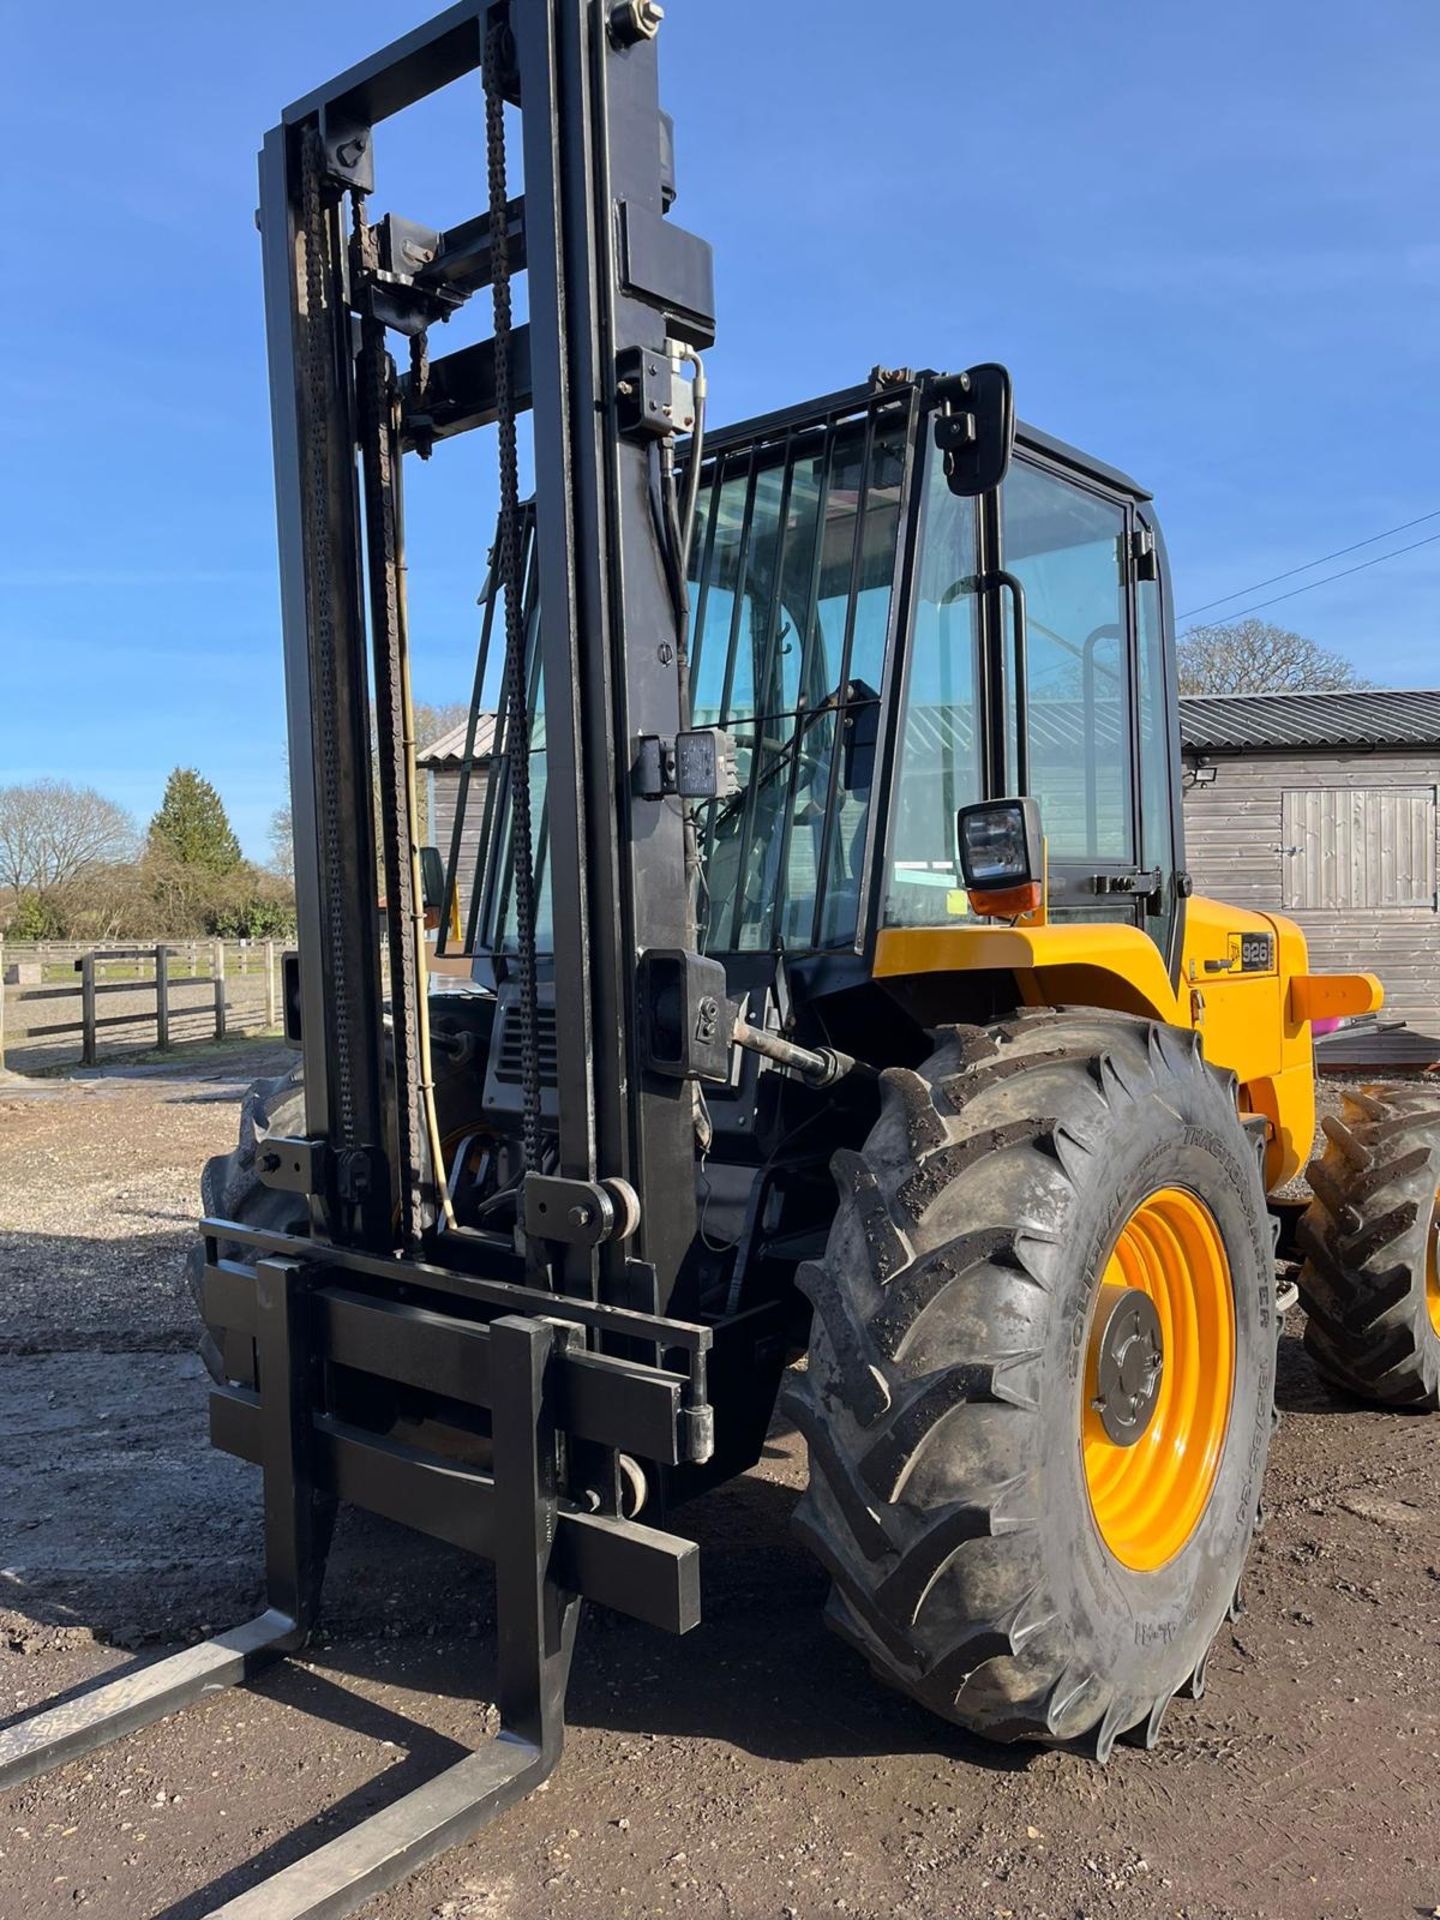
[1090, 748]
[707, 570]
[542, 825]
[494, 830]
[810, 618]
[998, 771]
[763, 703]
[832, 797]
[889, 756]
[742, 575]
[449, 899]
[742, 564]
[492, 819]
[1132, 674]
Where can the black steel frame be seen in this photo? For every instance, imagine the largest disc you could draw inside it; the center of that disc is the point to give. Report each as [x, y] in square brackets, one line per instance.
[309, 1319]
[557, 1357]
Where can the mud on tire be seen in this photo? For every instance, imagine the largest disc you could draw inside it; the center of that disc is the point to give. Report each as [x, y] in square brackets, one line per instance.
[943, 1401]
[1369, 1282]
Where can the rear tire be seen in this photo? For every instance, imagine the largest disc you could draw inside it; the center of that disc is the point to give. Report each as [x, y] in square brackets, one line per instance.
[950, 1373]
[1371, 1281]
[231, 1189]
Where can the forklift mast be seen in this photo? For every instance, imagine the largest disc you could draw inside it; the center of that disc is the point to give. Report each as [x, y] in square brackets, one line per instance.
[616, 292]
[494, 1396]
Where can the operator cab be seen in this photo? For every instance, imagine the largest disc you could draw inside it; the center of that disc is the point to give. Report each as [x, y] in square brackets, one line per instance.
[854, 626]
[884, 651]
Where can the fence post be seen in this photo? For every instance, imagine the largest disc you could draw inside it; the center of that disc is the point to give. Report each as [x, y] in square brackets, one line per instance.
[162, 997]
[87, 1009]
[270, 1007]
[2, 1002]
[219, 989]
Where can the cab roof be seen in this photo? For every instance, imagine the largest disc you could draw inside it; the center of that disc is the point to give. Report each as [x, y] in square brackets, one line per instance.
[815, 413]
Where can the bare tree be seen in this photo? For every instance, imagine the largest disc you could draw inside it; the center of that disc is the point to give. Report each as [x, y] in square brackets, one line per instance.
[1250, 656]
[282, 842]
[53, 832]
[430, 723]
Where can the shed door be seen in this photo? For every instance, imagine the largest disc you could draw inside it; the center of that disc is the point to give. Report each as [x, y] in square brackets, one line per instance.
[1351, 848]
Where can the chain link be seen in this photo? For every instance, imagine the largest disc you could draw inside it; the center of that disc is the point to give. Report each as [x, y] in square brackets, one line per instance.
[314, 431]
[507, 567]
[376, 395]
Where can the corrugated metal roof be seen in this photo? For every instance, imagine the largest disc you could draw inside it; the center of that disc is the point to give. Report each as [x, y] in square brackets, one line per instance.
[1054, 724]
[1274, 722]
[1209, 723]
[449, 749]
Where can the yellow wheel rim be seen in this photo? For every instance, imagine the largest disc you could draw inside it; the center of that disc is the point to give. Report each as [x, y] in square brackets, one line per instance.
[1432, 1265]
[1147, 1497]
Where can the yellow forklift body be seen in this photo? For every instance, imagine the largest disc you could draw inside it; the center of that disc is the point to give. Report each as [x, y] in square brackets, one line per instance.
[1244, 985]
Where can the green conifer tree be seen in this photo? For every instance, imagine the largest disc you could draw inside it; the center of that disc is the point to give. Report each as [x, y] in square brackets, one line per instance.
[192, 826]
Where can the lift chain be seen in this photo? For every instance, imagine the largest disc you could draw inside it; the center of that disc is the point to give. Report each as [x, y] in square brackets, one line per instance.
[419, 409]
[497, 62]
[315, 390]
[396, 828]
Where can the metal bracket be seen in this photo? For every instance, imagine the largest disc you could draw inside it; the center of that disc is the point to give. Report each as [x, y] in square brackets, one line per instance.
[291, 1165]
[671, 270]
[577, 1213]
[393, 294]
[685, 1015]
[1146, 881]
[656, 400]
[349, 149]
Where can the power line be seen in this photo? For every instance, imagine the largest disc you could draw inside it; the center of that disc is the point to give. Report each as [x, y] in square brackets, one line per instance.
[1290, 572]
[1344, 573]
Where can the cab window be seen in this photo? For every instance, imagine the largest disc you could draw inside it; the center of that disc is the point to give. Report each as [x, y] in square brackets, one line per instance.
[1067, 547]
[939, 761]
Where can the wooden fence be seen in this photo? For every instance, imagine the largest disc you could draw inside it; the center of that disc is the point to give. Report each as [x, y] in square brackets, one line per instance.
[159, 982]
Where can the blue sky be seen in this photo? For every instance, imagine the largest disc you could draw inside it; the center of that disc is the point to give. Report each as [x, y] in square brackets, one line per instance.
[1205, 239]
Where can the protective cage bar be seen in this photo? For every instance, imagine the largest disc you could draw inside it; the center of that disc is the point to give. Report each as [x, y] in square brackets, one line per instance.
[549, 1368]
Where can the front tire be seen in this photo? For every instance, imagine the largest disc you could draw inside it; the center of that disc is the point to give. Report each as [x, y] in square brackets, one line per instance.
[961, 1495]
[231, 1189]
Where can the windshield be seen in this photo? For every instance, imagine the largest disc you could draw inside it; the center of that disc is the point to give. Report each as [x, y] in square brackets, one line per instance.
[793, 565]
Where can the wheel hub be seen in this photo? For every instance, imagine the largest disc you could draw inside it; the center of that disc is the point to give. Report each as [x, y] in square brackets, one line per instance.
[1159, 1376]
[1130, 1362]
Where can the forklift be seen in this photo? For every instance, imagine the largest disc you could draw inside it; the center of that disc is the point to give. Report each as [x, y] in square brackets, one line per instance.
[827, 1020]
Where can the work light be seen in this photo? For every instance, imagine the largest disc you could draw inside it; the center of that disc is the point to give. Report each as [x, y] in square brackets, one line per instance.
[1002, 856]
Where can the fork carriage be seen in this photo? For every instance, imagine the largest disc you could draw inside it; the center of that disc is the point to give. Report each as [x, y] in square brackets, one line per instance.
[322, 1347]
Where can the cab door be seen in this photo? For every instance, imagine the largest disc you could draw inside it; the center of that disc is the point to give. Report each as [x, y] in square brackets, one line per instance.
[1086, 699]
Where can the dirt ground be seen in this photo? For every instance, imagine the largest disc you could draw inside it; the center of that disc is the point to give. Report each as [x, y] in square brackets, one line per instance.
[753, 1769]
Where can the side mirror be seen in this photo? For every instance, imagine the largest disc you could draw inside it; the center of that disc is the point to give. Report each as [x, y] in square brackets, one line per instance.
[432, 880]
[975, 429]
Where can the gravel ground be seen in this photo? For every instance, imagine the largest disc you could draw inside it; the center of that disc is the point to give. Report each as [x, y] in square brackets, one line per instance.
[752, 1769]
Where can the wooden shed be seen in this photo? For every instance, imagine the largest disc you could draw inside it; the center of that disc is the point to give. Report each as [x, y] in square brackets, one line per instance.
[1324, 805]
[442, 764]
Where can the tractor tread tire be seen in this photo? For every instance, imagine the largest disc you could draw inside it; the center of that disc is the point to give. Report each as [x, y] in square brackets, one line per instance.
[231, 1189]
[925, 1404]
[1365, 1238]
